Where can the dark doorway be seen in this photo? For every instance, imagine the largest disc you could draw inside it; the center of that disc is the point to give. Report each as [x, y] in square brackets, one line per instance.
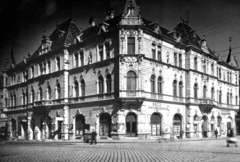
[80, 123]
[60, 129]
[131, 125]
[156, 122]
[105, 124]
[14, 127]
[177, 124]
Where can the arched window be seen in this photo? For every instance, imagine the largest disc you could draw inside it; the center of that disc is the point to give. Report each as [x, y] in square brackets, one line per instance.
[212, 68]
[195, 90]
[109, 82]
[212, 93]
[100, 84]
[228, 98]
[6, 102]
[160, 84]
[40, 95]
[236, 100]
[220, 73]
[76, 88]
[204, 91]
[82, 87]
[23, 98]
[195, 63]
[32, 95]
[220, 96]
[204, 67]
[152, 80]
[180, 89]
[58, 90]
[14, 99]
[11, 99]
[49, 92]
[174, 88]
[131, 80]
[228, 76]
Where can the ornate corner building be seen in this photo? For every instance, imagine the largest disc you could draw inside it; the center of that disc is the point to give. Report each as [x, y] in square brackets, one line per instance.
[125, 77]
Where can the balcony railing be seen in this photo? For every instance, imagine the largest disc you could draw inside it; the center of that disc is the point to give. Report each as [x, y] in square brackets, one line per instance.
[131, 93]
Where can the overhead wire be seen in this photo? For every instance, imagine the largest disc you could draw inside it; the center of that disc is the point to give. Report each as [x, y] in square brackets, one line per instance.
[219, 26]
[230, 17]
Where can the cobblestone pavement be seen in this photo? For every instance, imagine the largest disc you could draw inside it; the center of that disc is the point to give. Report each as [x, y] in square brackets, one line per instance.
[197, 151]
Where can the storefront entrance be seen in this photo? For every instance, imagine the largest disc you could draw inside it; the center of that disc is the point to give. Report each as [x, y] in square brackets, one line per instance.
[156, 122]
[80, 123]
[131, 125]
[105, 124]
[177, 124]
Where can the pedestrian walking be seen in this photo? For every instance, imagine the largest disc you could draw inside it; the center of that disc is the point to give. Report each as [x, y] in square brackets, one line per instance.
[216, 133]
[181, 134]
[94, 134]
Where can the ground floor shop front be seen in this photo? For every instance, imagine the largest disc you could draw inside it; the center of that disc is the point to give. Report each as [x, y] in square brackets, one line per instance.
[146, 121]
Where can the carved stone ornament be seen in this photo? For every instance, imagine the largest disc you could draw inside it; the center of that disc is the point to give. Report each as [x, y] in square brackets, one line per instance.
[131, 62]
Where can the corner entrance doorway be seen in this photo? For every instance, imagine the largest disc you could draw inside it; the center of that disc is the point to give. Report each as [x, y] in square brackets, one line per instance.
[131, 125]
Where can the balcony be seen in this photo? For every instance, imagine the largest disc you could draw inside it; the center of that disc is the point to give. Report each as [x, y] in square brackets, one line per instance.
[131, 94]
[91, 98]
[206, 105]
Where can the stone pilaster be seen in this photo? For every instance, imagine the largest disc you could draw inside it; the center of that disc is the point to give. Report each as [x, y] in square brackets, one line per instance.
[66, 121]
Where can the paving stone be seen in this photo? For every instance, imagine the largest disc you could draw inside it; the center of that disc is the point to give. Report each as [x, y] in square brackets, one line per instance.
[192, 151]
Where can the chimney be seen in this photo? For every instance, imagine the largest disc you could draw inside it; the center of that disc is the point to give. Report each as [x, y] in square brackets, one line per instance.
[109, 14]
[91, 21]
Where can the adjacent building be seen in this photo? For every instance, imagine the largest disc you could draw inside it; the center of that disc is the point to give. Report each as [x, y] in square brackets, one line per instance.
[123, 77]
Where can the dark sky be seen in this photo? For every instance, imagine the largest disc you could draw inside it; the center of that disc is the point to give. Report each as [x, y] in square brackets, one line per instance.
[25, 20]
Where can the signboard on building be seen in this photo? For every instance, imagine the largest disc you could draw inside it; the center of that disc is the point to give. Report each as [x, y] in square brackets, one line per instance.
[225, 112]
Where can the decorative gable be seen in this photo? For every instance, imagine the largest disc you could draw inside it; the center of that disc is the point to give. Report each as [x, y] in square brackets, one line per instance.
[131, 14]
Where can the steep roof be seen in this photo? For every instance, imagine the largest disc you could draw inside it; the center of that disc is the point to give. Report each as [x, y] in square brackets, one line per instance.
[184, 33]
[66, 33]
[232, 61]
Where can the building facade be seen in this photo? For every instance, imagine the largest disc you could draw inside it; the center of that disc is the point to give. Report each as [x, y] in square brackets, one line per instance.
[125, 77]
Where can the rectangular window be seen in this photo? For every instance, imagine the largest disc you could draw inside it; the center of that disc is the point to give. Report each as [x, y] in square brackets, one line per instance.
[212, 68]
[82, 58]
[131, 45]
[107, 46]
[57, 63]
[175, 59]
[76, 59]
[180, 60]
[195, 63]
[49, 66]
[100, 53]
[204, 66]
[154, 54]
[159, 55]
[40, 69]
[32, 71]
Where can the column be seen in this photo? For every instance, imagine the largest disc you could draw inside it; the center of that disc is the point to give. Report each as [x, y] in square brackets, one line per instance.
[10, 129]
[190, 129]
[66, 122]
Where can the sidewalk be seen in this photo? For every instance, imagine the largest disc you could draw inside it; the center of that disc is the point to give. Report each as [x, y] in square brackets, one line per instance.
[156, 140]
